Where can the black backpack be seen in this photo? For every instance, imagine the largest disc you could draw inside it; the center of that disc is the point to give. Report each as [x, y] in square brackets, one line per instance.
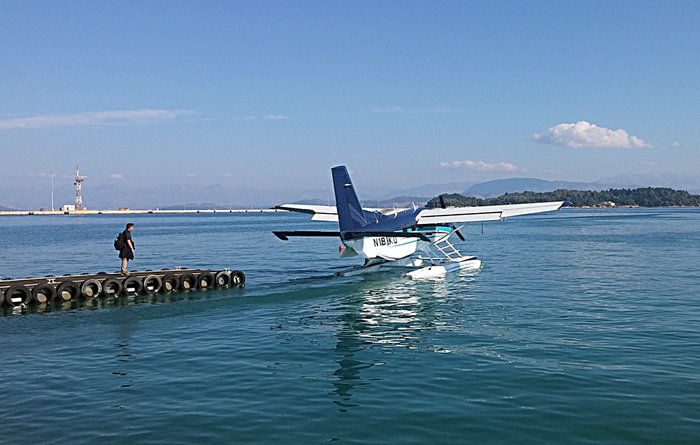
[119, 241]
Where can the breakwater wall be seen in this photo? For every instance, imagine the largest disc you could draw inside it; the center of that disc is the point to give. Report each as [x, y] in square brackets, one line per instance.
[43, 290]
[132, 212]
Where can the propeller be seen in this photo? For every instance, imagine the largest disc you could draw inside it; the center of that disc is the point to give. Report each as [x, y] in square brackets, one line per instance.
[459, 234]
[444, 206]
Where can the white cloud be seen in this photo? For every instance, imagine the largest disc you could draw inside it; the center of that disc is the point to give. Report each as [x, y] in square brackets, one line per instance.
[389, 109]
[440, 109]
[481, 166]
[116, 176]
[139, 117]
[584, 134]
[267, 117]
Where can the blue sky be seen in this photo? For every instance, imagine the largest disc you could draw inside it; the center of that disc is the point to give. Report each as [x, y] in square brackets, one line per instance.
[271, 94]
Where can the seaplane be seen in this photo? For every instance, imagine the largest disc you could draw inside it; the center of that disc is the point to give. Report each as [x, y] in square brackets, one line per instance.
[415, 238]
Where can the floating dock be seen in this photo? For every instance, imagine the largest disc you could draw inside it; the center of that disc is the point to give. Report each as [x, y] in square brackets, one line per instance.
[43, 290]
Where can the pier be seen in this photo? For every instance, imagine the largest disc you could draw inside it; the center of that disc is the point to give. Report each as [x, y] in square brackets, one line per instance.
[64, 288]
[132, 212]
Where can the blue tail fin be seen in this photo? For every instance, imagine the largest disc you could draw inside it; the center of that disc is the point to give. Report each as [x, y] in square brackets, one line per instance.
[350, 214]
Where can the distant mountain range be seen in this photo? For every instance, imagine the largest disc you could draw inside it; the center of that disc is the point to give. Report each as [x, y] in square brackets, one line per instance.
[426, 190]
[689, 183]
[197, 196]
[498, 187]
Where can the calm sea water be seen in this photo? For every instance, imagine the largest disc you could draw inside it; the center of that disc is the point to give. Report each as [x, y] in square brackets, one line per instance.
[583, 326]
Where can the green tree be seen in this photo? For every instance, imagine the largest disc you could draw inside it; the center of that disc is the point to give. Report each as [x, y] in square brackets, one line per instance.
[643, 197]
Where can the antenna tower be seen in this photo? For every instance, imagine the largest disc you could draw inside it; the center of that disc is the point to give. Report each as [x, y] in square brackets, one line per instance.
[78, 189]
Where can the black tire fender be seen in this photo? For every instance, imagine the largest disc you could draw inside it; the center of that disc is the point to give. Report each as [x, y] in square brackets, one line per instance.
[112, 287]
[67, 291]
[90, 288]
[188, 281]
[237, 278]
[223, 279]
[152, 284]
[205, 280]
[170, 282]
[43, 293]
[132, 286]
[17, 295]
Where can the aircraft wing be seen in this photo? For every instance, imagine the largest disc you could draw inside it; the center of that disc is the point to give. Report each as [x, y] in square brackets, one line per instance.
[330, 213]
[484, 213]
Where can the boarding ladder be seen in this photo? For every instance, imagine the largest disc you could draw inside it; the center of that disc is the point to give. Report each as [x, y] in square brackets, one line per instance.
[448, 249]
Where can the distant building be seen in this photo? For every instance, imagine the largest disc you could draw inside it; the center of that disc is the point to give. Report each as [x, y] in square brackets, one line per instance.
[68, 208]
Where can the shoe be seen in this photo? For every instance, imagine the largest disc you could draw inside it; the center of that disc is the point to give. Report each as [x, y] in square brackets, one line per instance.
[125, 273]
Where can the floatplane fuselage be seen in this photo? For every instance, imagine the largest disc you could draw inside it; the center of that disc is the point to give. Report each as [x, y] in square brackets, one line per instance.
[417, 238]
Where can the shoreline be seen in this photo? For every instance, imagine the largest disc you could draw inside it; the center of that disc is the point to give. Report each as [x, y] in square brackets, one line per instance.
[132, 212]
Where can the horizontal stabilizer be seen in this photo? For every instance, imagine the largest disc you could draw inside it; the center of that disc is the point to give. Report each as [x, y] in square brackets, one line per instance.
[353, 235]
[319, 212]
[285, 235]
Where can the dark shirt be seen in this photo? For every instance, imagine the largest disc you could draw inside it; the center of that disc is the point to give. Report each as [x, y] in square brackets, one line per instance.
[126, 251]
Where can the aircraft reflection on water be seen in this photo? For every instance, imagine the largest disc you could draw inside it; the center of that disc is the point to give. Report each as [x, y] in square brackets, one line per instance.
[395, 319]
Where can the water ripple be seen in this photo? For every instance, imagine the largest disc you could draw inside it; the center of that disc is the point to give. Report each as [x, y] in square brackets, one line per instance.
[580, 328]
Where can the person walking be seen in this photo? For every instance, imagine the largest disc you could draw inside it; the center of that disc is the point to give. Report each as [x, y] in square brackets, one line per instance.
[126, 253]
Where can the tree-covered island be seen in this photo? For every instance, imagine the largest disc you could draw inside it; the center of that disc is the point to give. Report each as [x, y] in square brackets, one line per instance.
[641, 197]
